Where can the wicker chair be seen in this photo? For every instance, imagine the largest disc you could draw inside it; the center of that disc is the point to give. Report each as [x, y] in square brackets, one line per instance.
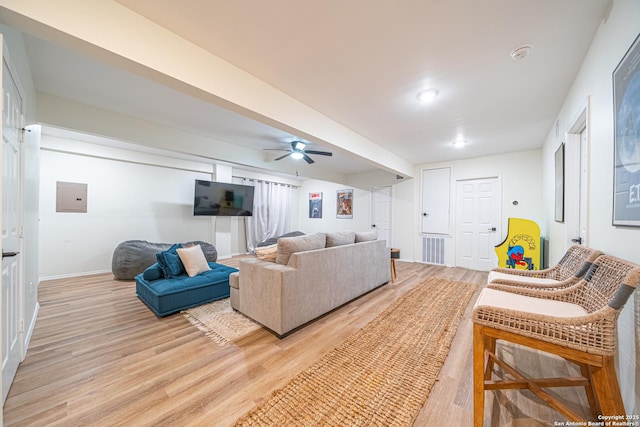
[577, 323]
[569, 270]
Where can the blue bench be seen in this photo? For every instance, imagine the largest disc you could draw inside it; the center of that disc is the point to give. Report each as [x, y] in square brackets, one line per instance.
[167, 296]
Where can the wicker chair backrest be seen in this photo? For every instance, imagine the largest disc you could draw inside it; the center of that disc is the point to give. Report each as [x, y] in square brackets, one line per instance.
[609, 279]
[572, 261]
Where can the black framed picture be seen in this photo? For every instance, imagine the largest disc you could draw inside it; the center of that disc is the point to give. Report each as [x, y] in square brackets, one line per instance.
[626, 124]
[559, 176]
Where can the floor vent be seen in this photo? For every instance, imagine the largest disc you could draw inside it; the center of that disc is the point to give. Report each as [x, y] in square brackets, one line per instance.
[433, 250]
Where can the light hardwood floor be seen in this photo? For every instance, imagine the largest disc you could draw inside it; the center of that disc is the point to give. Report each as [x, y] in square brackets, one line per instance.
[99, 357]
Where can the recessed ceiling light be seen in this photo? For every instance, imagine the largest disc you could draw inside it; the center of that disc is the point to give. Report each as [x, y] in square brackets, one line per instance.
[459, 143]
[521, 52]
[427, 95]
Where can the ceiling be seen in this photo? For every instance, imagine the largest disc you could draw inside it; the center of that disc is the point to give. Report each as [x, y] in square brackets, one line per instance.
[361, 63]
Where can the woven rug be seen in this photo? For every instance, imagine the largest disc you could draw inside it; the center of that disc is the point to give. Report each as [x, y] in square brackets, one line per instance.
[220, 322]
[382, 374]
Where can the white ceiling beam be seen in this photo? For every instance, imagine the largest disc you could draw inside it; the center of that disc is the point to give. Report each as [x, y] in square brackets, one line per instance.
[108, 31]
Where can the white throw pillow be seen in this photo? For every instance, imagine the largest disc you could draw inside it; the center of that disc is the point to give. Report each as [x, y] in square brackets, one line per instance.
[193, 260]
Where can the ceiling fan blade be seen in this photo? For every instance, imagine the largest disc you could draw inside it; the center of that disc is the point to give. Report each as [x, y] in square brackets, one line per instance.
[276, 149]
[320, 153]
[282, 157]
[307, 158]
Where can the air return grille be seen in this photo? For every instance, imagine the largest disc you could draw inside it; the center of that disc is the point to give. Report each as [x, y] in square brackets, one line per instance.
[433, 250]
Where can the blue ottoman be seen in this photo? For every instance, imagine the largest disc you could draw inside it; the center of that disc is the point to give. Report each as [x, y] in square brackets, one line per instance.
[167, 296]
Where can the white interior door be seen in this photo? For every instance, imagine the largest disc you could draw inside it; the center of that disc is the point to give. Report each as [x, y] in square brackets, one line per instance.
[582, 217]
[576, 182]
[11, 222]
[436, 194]
[381, 217]
[477, 223]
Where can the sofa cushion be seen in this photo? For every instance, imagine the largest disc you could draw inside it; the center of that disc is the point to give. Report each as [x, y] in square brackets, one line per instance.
[366, 236]
[339, 238]
[169, 262]
[273, 240]
[193, 260]
[267, 253]
[291, 245]
[153, 272]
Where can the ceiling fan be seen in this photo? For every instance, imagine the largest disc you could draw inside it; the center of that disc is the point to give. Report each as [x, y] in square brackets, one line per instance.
[298, 151]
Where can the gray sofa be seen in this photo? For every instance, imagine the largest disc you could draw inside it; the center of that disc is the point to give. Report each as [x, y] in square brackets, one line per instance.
[311, 276]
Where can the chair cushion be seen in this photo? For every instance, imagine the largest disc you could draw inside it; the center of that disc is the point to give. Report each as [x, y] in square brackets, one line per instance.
[496, 275]
[510, 301]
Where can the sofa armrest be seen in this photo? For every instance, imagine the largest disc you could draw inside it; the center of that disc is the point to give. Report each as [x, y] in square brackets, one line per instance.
[260, 291]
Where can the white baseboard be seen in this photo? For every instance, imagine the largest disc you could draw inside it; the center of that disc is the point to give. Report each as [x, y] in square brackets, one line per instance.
[66, 276]
[29, 330]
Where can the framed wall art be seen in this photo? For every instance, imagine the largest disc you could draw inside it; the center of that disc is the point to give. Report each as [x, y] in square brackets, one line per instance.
[626, 125]
[315, 205]
[344, 204]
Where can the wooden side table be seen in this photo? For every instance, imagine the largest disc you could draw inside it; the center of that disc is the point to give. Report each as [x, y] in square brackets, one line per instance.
[395, 254]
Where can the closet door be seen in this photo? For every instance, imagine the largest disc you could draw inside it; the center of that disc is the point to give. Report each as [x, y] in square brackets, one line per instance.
[436, 194]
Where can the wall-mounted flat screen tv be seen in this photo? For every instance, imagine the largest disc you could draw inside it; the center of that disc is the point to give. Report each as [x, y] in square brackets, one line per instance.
[222, 199]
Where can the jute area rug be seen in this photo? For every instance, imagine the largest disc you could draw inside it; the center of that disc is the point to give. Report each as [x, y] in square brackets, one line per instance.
[220, 322]
[382, 374]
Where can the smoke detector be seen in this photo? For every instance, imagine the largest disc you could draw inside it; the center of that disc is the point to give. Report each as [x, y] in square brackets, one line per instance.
[521, 52]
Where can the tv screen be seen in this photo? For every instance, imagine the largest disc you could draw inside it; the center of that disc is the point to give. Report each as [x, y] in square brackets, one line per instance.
[222, 199]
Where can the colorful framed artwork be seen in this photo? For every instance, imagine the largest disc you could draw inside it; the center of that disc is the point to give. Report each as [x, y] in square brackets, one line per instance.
[315, 205]
[626, 125]
[344, 204]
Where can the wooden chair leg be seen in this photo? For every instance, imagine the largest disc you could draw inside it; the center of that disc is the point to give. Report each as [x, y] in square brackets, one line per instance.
[478, 375]
[606, 387]
[591, 397]
[489, 345]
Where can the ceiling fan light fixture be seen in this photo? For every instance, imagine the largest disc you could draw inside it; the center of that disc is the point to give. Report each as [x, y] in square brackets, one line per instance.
[296, 155]
[299, 145]
[427, 95]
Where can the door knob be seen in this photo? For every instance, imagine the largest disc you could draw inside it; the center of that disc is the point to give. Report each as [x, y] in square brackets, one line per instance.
[577, 240]
[492, 229]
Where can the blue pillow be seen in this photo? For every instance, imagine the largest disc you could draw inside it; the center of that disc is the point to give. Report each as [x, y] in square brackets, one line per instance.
[153, 272]
[170, 263]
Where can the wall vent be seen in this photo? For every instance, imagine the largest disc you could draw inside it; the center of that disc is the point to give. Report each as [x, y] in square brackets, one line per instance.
[433, 250]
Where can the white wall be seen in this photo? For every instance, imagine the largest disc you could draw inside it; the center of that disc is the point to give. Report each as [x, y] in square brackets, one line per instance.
[519, 173]
[126, 201]
[594, 81]
[131, 195]
[361, 220]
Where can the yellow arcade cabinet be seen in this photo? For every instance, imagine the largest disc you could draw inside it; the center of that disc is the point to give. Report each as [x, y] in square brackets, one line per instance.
[522, 248]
